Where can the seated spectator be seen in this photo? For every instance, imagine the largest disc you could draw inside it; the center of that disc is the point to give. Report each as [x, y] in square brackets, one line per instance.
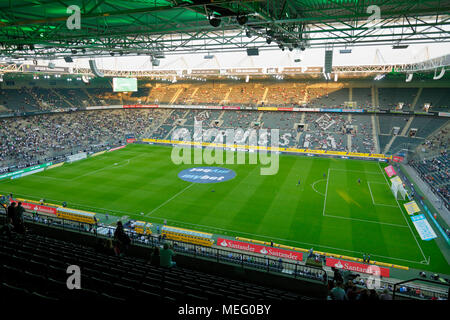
[17, 221]
[155, 257]
[121, 239]
[338, 292]
[166, 257]
[385, 295]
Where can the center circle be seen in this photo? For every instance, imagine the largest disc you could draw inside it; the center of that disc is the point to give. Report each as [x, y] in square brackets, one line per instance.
[206, 174]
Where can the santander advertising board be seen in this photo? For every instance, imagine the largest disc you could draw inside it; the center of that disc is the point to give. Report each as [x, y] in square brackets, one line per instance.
[358, 267]
[254, 248]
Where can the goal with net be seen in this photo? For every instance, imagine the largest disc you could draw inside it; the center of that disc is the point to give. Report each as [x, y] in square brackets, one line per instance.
[398, 189]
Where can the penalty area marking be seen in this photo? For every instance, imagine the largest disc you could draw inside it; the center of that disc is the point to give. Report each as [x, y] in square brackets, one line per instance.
[315, 184]
[373, 200]
[355, 219]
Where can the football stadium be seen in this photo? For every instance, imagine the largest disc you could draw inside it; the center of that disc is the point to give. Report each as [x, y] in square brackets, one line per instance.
[220, 152]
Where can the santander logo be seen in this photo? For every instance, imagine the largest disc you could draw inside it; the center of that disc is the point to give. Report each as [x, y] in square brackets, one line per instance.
[339, 265]
[224, 243]
[263, 251]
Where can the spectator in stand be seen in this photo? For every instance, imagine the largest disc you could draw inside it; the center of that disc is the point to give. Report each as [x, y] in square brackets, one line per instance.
[338, 292]
[386, 295]
[11, 211]
[337, 275]
[166, 257]
[155, 257]
[373, 295]
[363, 295]
[121, 240]
[352, 291]
[19, 226]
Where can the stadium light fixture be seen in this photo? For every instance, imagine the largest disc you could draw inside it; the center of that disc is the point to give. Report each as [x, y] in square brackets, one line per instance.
[345, 51]
[242, 20]
[440, 75]
[379, 77]
[409, 77]
[400, 46]
[214, 21]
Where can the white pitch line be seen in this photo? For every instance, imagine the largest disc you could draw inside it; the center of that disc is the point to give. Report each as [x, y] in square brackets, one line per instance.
[168, 200]
[370, 221]
[378, 204]
[315, 188]
[373, 201]
[270, 237]
[398, 204]
[127, 161]
[326, 192]
[357, 171]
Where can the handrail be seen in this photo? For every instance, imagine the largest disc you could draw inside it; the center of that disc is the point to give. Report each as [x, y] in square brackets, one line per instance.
[220, 255]
[423, 280]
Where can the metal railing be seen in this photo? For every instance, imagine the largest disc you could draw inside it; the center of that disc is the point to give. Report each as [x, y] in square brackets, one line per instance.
[245, 260]
[399, 285]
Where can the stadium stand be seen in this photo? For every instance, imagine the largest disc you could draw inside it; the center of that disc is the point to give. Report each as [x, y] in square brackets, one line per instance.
[327, 98]
[44, 261]
[436, 172]
[426, 125]
[247, 94]
[362, 97]
[391, 97]
[50, 135]
[438, 98]
[362, 139]
[17, 100]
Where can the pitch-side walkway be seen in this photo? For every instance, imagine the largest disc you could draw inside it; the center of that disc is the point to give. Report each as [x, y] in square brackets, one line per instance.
[433, 198]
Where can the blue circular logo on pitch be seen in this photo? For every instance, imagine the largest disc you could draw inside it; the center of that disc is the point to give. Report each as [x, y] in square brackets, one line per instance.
[207, 175]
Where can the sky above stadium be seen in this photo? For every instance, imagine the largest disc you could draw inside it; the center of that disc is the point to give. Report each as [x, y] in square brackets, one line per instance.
[272, 58]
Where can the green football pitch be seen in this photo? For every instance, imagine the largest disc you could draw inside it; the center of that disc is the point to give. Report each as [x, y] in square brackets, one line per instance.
[332, 213]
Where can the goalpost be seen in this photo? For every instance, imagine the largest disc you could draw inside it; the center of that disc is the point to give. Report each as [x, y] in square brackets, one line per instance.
[397, 188]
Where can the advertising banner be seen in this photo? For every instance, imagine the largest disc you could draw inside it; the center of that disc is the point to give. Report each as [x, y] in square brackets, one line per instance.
[230, 108]
[76, 157]
[390, 171]
[139, 106]
[357, 267]
[56, 165]
[98, 153]
[397, 158]
[270, 251]
[38, 208]
[20, 175]
[16, 173]
[131, 140]
[114, 149]
[423, 227]
[411, 207]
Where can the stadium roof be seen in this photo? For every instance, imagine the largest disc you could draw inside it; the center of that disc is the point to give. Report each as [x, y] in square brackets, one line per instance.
[41, 28]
